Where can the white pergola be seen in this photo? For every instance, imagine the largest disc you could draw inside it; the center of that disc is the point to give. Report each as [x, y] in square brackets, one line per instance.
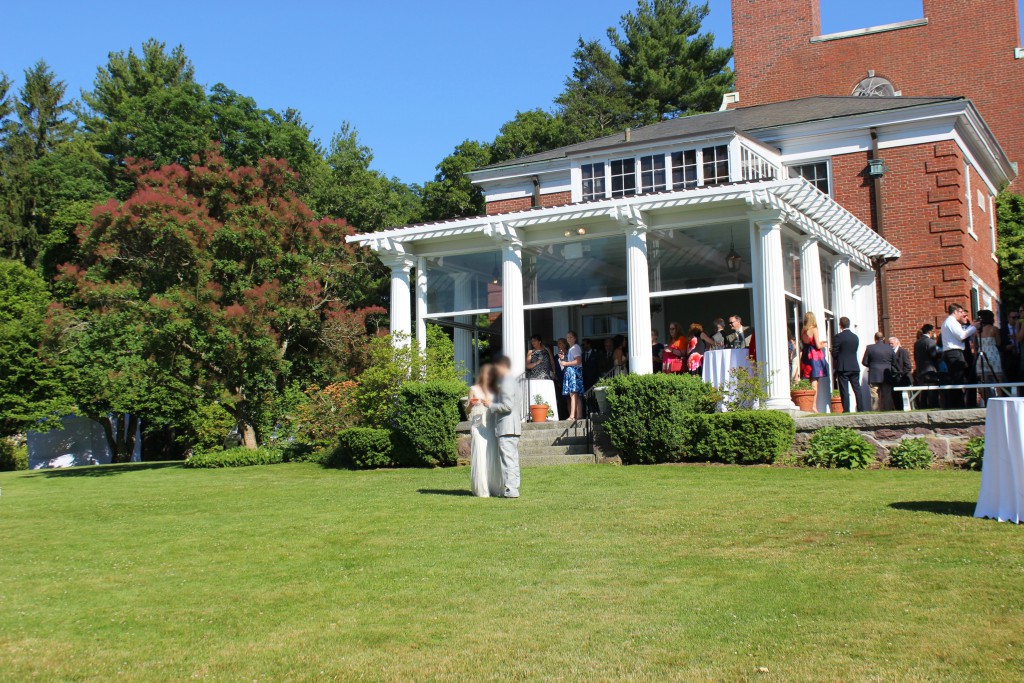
[768, 207]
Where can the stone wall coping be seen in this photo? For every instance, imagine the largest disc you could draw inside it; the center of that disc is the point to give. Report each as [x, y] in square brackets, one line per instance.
[890, 420]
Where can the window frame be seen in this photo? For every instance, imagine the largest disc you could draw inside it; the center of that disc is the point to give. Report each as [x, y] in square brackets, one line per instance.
[790, 168]
[594, 178]
[623, 174]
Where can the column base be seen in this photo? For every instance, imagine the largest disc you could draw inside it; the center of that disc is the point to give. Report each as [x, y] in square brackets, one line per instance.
[783, 404]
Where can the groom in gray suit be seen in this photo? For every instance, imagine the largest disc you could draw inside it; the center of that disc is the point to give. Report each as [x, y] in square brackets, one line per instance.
[509, 426]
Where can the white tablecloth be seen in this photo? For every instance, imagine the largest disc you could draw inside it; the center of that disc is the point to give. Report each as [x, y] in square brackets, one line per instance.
[544, 387]
[718, 364]
[1002, 473]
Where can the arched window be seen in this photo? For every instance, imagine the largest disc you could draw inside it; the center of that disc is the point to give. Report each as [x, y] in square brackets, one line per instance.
[874, 86]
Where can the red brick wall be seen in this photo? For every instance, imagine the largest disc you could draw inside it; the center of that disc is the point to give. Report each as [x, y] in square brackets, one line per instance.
[523, 203]
[967, 48]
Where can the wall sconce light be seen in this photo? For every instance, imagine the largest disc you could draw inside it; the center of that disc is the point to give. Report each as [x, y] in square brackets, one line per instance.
[581, 231]
[877, 168]
[568, 233]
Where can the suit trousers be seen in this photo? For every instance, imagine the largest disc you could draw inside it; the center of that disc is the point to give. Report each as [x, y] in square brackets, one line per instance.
[508, 449]
[849, 382]
[957, 375]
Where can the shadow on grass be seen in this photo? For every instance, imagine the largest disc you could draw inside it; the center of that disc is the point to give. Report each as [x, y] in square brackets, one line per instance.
[444, 492]
[955, 508]
[104, 470]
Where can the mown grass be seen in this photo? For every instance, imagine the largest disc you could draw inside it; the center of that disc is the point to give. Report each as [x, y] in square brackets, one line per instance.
[292, 572]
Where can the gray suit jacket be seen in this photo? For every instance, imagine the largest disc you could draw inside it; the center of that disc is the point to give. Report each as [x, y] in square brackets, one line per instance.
[508, 408]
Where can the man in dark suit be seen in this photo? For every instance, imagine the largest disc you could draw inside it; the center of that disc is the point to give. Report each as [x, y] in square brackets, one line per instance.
[591, 364]
[847, 369]
[926, 355]
[878, 359]
[739, 336]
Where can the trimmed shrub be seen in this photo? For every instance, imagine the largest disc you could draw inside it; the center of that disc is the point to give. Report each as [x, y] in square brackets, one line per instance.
[425, 423]
[975, 453]
[13, 457]
[839, 447]
[911, 454]
[745, 437]
[236, 457]
[304, 452]
[362, 448]
[648, 415]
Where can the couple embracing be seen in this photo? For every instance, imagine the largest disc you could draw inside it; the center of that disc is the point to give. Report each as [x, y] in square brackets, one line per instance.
[496, 421]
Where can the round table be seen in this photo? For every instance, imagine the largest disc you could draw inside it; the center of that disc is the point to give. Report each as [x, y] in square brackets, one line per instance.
[1002, 472]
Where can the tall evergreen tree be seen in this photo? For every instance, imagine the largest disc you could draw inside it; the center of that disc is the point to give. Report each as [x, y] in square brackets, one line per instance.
[43, 112]
[596, 100]
[670, 67]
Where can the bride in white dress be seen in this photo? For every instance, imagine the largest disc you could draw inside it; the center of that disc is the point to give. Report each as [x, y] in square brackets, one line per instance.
[484, 461]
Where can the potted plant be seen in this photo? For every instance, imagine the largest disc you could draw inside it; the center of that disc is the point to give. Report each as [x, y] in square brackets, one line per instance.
[837, 402]
[539, 410]
[803, 395]
[600, 395]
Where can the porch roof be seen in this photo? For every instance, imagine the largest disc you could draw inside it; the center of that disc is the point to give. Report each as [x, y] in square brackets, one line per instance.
[800, 203]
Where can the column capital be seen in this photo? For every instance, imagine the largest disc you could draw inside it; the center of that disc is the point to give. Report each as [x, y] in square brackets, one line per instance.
[767, 220]
[504, 233]
[631, 218]
[397, 262]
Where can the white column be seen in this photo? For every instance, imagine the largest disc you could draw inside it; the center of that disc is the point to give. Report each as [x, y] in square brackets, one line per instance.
[813, 298]
[513, 328]
[842, 295]
[638, 306]
[421, 303]
[463, 338]
[865, 317]
[401, 299]
[770, 296]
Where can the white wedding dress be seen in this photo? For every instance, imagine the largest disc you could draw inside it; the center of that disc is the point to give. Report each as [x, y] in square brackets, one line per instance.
[484, 462]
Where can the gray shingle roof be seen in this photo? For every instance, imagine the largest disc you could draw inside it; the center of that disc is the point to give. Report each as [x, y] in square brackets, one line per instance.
[744, 119]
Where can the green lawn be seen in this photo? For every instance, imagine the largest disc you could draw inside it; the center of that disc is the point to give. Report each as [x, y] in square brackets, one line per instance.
[291, 572]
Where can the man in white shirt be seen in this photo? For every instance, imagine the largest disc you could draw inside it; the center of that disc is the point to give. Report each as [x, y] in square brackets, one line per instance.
[955, 333]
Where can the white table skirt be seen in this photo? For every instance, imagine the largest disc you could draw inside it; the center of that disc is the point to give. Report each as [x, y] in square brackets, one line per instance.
[1002, 473]
[718, 364]
[544, 387]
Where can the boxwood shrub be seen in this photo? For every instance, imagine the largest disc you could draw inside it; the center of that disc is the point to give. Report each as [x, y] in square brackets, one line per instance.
[744, 437]
[13, 457]
[839, 447]
[362, 448]
[426, 418]
[911, 454]
[648, 412]
[235, 457]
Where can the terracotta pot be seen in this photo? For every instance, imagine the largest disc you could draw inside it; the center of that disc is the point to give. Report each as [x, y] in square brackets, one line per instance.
[804, 399]
[837, 404]
[539, 413]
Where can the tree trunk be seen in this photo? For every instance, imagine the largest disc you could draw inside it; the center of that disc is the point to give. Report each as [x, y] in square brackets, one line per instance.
[248, 433]
[120, 432]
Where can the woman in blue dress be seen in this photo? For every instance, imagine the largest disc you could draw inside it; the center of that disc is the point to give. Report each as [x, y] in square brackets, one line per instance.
[572, 381]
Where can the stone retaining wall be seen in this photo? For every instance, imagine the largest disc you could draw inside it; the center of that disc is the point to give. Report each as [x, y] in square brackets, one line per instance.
[945, 431]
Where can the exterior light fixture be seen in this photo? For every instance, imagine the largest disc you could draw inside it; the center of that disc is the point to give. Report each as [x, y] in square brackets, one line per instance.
[877, 168]
[581, 231]
[494, 281]
[733, 260]
[568, 233]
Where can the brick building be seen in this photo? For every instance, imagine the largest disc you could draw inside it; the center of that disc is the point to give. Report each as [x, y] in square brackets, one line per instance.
[932, 201]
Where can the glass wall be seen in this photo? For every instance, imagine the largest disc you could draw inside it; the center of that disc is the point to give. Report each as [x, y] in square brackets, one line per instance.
[699, 257]
[571, 271]
[791, 264]
[465, 282]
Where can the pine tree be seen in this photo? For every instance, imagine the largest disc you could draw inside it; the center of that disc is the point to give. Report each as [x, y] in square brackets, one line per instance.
[671, 69]
[43, 113]
[596, 100]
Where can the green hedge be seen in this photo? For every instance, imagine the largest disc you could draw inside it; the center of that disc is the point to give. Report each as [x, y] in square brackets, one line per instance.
[839, 447]
[12, 457]
[235, 457]
[425, 422]
[743, 437]
[648, 412]
[362, 448]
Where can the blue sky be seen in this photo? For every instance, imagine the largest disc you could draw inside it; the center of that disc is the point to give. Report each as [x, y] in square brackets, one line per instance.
[416, 78]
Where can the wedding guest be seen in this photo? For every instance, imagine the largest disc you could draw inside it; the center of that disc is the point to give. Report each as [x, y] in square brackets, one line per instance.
[607, 358]
[926, 354]
[901, 371]
[878, 359]
[989, 365]
[1011, 350]
[739, 337]
[561, 348]
[695, 349]
[812, 354]
[656, 350]
[847, 367]
[572, 382]
[620, 357]
[719, 335]
[540, 364]
[955, 333]
[591, 364]
[674, 355]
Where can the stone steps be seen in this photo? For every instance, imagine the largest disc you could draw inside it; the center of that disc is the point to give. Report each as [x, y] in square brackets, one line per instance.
[555, 443]
[542, 459]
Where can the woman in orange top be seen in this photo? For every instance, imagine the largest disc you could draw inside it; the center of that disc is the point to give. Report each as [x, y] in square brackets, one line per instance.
[674, 355]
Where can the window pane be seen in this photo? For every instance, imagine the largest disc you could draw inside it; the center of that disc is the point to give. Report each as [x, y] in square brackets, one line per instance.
[593, 181]
[623, 177]
[652, 173]
[816, 174]
[463, 283]
[580, 269]
[791, 264]
[684, 170]
[698, 257]
[716, 164]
